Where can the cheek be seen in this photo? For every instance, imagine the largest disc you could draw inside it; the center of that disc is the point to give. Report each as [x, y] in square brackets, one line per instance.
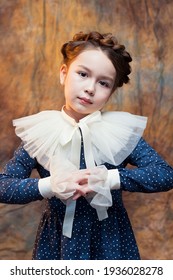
[71, 82]
[69, 92]
[104, 98]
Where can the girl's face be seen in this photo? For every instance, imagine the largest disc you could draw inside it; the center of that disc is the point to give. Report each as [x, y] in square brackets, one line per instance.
[88, 83]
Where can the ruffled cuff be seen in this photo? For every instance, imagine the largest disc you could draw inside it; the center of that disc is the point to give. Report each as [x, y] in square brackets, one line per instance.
[101, 181]
[61, 181]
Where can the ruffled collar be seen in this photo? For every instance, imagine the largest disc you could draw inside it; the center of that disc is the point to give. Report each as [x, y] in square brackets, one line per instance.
[108, 137]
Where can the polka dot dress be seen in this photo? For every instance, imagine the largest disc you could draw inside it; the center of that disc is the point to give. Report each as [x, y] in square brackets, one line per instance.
[110, 239]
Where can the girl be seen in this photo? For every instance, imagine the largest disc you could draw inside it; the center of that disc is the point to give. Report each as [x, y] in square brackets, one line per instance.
[81, 156]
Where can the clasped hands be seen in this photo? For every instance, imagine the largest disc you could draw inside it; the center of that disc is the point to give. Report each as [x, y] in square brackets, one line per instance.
[69, 182]
[66, 181]
[72, 184]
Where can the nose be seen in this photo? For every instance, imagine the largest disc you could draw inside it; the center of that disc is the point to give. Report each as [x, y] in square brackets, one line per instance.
[90, 92]
[90, 89]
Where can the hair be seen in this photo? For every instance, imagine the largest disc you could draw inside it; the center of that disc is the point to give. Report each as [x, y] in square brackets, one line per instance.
[119, 57]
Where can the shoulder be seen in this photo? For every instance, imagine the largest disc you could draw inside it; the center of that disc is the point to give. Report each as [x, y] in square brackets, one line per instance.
[117, 135]
[144, 153]
[35, 118]
[38, 124]
[40, 133]
[125, 122]
[20, 154]
[126, 117]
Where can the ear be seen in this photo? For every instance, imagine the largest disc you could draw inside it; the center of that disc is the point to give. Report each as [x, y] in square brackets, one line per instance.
[63, 74]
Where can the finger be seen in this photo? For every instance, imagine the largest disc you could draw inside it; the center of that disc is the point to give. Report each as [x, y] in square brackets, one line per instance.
[83, 190]
[82, 179]
[83, 182]
[85, 171]
[76, 196]
[79, 194]
[80, 191]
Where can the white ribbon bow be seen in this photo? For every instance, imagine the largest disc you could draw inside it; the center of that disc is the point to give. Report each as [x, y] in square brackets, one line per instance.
[75, 138]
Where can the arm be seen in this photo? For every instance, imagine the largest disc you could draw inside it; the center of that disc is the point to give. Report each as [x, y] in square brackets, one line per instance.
[152, 174]
[15, 185]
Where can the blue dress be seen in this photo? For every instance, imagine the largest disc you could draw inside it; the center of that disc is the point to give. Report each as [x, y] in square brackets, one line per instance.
[109, 239]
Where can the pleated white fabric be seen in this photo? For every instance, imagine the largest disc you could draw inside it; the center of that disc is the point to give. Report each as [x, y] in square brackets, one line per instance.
[108, 137]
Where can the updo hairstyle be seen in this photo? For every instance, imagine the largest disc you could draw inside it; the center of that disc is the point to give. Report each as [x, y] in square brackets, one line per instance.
[119, 57]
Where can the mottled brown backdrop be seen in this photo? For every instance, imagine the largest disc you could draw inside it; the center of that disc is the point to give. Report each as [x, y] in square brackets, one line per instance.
[31, 33]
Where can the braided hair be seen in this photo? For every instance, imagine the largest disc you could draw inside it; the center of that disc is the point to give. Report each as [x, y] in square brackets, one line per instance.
[119, 57]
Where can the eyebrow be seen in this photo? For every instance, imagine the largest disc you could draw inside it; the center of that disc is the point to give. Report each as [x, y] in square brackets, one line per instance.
[102, 76]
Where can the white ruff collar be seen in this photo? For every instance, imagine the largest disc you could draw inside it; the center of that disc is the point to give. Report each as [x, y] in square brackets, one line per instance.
[108, 137]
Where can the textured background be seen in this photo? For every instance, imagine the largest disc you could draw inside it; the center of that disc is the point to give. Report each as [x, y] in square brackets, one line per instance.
[31, 34]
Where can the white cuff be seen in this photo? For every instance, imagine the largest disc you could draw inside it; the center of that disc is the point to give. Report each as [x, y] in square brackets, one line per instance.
[44, 187]
[113, 179]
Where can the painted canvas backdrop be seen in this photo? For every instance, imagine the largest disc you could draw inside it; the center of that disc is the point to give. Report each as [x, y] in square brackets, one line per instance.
[31, 35]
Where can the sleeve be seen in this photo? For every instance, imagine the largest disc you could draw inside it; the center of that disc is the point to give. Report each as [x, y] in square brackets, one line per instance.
[151, 172]
[15, 185]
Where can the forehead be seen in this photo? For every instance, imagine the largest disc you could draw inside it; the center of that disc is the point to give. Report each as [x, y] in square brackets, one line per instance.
[96, 61]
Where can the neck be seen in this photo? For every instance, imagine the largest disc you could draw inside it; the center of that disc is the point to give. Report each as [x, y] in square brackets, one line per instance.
[76, 116]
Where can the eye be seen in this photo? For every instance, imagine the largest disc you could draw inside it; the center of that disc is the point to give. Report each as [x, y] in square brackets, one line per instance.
[82, 74]
[104, 84]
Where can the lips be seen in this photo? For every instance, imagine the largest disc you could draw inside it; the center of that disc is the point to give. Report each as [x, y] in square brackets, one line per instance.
[85, 100]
